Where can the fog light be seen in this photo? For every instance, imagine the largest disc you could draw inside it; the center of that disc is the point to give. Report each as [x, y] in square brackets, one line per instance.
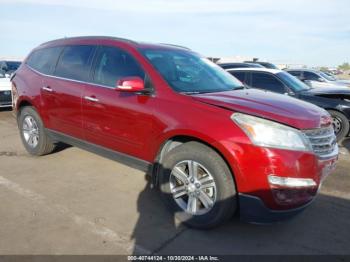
[291, 181]
[292, 191]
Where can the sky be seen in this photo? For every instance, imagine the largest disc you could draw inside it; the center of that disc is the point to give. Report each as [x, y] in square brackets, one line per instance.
[315, 33]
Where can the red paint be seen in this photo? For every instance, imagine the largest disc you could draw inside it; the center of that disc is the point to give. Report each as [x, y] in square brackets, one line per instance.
[139, 125]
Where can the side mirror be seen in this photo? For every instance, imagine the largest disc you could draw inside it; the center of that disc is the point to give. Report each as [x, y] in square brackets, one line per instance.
[130, 84]
[320, 79]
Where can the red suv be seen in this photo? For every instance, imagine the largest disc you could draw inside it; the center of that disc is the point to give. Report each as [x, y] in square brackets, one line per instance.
[212, 146]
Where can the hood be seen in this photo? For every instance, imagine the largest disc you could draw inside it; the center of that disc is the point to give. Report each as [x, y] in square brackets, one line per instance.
[279, 108]
[343, 82]
[334, 92]
[329, 90]
[315, 84]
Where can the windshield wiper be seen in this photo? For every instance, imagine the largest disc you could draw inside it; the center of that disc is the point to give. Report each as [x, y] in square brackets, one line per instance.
[240, 87]
[190, 92]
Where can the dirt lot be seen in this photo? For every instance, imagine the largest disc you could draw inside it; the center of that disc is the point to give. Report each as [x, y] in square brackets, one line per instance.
[75, 202]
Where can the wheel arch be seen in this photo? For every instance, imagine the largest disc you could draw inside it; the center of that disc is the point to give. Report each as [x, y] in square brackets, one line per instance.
[21, 104]
[177, 140]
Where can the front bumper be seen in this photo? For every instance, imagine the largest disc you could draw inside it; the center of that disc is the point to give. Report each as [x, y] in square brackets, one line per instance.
[5, 99]
[262, 202]
[253, 210]
[259, 204]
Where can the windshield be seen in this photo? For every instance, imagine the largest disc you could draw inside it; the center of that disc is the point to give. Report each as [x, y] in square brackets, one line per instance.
[187, 72]
[329, 78]
[292, 82]
[12, 65]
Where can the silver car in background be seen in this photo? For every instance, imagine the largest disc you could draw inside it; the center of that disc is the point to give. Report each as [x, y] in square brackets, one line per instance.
[316, 79]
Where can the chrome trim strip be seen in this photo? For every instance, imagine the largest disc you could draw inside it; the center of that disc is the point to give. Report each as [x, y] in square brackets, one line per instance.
[331, 155]
[67, 79]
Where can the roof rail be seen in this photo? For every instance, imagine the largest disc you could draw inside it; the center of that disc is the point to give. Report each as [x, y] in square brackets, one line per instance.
[180, 46]
[91, 37]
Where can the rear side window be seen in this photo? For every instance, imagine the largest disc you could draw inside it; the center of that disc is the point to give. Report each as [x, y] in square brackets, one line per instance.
[267, 82]
[239, 75]
[44, 60]
[311, 76]
[75, 62]
[295, 73]
[113, 64]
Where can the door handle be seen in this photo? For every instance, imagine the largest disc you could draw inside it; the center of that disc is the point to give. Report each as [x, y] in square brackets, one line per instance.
[90, 98]
[47, 88]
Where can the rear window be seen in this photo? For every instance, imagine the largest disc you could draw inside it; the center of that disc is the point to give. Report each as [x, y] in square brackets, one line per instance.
[75, 62]
[44, 60]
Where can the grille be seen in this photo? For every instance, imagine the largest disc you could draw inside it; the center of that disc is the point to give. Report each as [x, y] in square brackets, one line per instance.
[5, 98]
[323, 140]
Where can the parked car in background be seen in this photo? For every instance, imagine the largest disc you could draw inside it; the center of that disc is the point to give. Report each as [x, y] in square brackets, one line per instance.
[9, 67]
[5, 91]
[335, 100]
[330, 75]
[238, 65]
[316, 78]
[172, 112]
[335, 78]
[264, 64]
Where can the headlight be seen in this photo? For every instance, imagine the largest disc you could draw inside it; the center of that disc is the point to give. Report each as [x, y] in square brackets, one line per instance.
[267, 133]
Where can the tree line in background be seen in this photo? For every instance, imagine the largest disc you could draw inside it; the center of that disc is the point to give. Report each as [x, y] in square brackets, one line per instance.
[344, 66]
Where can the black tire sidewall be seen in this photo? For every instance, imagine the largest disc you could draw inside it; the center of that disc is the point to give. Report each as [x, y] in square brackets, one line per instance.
[345, 124]
[226, 202]
[29, 111]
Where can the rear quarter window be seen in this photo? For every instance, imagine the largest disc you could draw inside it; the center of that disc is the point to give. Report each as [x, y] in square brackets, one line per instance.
[44, 60]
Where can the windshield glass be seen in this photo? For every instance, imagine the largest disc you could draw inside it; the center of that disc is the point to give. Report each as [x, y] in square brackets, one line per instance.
[12, 65]
[187, 72]
[292, 82]
[329, 78]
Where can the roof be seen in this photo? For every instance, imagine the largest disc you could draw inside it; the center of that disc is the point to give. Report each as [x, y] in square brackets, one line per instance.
[257, 69]
[112, 38]
[89, 38]
[301, 69]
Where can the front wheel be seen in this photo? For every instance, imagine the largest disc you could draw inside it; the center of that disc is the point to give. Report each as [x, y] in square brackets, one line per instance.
[340, 124]
[197, 185]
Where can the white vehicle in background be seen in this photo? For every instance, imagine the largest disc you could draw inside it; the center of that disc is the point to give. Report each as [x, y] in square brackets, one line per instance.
[7, 68]
[5, 92]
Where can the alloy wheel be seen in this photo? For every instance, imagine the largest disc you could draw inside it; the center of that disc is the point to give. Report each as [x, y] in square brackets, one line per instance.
[30, 131]
[193, 187]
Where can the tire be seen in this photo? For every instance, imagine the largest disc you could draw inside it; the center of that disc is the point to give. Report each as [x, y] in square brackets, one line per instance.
[341, 123]
[211, 167]
[40, 144]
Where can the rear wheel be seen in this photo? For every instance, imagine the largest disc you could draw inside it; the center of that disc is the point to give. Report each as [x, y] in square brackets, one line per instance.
[197, 185]
[33, 134]
[340, 124]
